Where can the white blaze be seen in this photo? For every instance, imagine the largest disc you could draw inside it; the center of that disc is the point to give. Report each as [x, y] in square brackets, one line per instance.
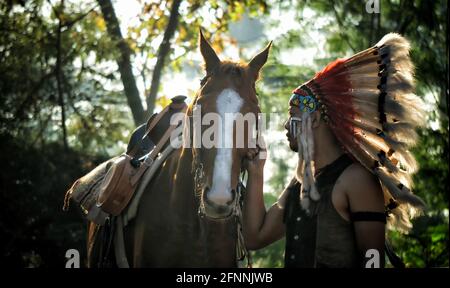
[228, 104]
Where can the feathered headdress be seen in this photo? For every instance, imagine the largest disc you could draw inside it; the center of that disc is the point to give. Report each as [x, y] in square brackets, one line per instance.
[369, 103]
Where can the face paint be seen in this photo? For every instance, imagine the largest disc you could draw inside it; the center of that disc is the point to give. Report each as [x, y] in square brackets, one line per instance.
[294, 123]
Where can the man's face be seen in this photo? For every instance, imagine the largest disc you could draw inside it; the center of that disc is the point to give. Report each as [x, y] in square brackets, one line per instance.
[294, 111]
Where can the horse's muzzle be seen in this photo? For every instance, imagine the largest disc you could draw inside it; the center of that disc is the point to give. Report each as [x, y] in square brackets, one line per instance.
[218, 209]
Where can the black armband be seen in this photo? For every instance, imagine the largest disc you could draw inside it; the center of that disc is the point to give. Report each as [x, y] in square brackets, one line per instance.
[368, 216]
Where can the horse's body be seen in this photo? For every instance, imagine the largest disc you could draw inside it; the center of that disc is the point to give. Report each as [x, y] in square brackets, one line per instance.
[168, 230]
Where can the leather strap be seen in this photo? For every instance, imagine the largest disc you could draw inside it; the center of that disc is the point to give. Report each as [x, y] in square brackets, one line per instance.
[368, 216]
[151, 157]
[119, 245]
[155, 120]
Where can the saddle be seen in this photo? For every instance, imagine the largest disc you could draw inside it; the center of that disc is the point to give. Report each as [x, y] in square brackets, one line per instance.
[108, 188]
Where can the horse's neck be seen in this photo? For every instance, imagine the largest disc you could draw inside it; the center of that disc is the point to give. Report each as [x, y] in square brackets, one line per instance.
[183, 184]
[184, 168]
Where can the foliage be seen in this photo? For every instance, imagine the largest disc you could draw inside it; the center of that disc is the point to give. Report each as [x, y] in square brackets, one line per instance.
[155, 16]
[29, 106]
[35, 232]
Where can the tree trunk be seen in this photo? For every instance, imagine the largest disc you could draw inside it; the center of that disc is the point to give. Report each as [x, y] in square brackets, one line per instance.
[163, 51]
[125, 68]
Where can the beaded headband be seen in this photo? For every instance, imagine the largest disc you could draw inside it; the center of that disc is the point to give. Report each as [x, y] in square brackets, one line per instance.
[303, 98]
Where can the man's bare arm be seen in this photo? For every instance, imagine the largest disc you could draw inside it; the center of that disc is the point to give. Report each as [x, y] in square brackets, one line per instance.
[260, 228]
[365, 195]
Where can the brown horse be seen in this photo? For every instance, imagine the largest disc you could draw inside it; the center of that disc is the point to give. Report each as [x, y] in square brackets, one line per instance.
[168, 230]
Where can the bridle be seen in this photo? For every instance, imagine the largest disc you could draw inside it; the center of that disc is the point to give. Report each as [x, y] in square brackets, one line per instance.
[199, 181]
[236, 213]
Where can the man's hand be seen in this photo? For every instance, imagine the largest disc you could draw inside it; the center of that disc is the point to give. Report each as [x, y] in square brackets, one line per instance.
[253, 163]
[255, 160]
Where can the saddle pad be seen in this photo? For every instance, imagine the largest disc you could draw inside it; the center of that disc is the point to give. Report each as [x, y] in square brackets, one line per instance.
[85, 192]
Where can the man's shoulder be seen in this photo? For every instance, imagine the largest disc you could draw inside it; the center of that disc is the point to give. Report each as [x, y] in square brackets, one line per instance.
[356, 171]
[358, 181]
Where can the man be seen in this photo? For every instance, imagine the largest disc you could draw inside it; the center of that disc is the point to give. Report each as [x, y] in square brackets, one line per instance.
[352, 125]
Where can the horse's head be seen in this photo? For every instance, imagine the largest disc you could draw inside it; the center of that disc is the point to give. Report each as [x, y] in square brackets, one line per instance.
[227, 93]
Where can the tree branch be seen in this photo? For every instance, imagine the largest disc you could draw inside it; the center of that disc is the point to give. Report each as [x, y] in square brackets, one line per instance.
[19, 113]
[125, 68]
[163, 51]
[41, 130]
[341, 26]
[80, 17]
[58, 73]
[70, 102]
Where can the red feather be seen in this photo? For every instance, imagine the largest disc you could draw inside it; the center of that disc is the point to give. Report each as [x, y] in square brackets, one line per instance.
[332, 87]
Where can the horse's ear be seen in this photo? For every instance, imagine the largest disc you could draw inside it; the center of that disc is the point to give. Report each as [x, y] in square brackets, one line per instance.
[259, 60]
[208, 53]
